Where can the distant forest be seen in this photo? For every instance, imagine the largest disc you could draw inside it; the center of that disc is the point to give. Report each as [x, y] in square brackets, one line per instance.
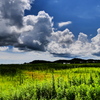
[72, 61]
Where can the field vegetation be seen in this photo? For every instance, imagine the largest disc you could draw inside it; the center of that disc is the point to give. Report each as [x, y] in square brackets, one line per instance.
[50, 81]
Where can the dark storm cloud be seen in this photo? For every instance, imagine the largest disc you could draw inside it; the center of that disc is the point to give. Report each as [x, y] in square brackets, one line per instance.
[13, 10]
[11, 20]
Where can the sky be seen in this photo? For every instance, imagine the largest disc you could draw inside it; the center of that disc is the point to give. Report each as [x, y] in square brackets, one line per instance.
[49, 30]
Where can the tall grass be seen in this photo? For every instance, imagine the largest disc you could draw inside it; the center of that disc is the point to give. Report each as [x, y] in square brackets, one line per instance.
[42, 82]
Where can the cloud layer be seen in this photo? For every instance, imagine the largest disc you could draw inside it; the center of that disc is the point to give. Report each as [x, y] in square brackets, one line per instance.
[36, 32]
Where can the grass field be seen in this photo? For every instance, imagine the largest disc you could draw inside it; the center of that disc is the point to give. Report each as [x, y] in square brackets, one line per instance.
[50, 82]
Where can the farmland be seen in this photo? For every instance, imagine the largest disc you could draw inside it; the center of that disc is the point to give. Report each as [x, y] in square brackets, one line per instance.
[50, 81]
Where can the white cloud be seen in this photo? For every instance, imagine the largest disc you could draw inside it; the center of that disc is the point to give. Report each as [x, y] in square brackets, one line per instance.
[82, 37]
[98, 30]
[4, 48]
[80, 48]
[61, 24]
[63, 43]
[62, 36]
[16, 50]
[60, 42]
[96, 43]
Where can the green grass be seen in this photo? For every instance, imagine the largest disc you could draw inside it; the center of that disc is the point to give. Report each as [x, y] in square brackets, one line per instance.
[50, 82]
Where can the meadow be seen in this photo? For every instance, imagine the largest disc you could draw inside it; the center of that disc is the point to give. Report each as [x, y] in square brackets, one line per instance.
[50, 81]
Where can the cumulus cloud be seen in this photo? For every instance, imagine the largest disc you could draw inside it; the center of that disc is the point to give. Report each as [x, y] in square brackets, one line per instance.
[61, 24]
[82, 37]
[11, 19]
[96, 43]
[24, 32]
[62, 36]
[36, 38]
[63, 44]
[60, 42]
